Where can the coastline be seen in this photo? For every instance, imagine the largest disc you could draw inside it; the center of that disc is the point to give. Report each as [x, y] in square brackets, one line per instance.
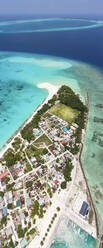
[52, 89]
[80, 162]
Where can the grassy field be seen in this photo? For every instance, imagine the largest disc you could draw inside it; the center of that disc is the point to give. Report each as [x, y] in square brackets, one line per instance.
[64, 112]
[43, 139]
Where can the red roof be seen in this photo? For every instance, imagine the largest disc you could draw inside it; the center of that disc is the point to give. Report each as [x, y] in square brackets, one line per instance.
[14, 192]
[19, 170]
[56, 181]
[4, 174]
[63, 141]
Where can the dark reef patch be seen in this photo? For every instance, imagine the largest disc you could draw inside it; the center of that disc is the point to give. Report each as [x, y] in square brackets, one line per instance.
[93, 155]
[20, 87]
[96, 138]
[19, 71]
[98, 120]
[99, 106]
[99, 195]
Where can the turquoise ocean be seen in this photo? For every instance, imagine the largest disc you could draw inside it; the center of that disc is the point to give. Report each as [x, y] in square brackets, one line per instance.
[20, 73]
[69, 235]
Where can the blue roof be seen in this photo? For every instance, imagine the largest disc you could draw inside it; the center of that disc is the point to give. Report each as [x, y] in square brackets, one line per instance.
[84, 208]
[4, 211]
[24, 242]
[65, 129]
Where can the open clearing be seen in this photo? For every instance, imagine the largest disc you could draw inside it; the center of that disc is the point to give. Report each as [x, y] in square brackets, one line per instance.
[64, 112]
[43, 139]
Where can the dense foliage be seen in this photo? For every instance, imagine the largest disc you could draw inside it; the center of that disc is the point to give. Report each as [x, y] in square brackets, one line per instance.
[27, 131]
[11, 158]
[67, 170]
[67, 96]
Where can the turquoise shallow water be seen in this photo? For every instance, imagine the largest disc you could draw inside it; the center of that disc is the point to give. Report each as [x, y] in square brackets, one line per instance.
[69, 235]
[19, 96]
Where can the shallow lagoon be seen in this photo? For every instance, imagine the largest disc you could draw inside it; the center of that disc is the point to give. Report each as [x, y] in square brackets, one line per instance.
[69, 235]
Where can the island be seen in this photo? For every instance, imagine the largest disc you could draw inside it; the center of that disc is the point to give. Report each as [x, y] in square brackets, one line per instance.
[41, 176]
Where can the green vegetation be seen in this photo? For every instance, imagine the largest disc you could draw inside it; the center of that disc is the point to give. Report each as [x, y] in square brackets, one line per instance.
[27, 131]
[58, 209]
[29, 184]
[36, 152]
[67, 171]
[90, 216]
[43, 139]
[9, 187]
[11, 158]
[6, 180]
[42, 243]
[21, 232]
[2, 194]
[53, 100]
[37, 210]
[63, 185]
[64, 112]
[70, 109]
[16, 144]
[3, 221]
[10, 206]
[28, 167]
[32, 231]
[67, 96]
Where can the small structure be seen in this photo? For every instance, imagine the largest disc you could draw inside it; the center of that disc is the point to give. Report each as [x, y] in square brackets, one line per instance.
[63, 141]
[24, 242]
[65, 129]
[4, 211]
[84, 208]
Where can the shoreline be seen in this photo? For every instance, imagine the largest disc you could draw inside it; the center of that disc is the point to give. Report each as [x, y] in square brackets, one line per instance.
[89, 193]
[52, 89]
[80, 162]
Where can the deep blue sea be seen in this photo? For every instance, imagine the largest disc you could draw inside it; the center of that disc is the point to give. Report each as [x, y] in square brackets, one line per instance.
[72, 57]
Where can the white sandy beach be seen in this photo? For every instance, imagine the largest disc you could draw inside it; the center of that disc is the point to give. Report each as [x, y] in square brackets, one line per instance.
[52, 89]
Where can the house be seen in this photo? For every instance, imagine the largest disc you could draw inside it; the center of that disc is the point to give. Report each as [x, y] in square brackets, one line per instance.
[20, 172]
[1, 202]
[33, 159]
[29, 202]
[26, 143]
[36, 132]
[65, 129]
[8, 231]
[4, 174]
[4, 211]
[24, 242]
[1, 215]
[63, 141]
[56, 181]
[18, 203]
[13, 238]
